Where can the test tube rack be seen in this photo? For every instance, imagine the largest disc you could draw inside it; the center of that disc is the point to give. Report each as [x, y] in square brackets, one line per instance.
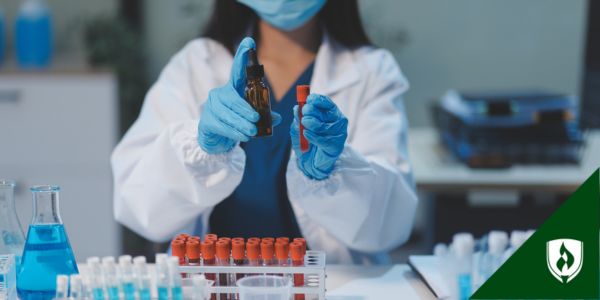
[8, 277]
[313, 270]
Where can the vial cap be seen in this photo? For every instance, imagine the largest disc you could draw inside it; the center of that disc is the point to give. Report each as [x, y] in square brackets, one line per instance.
[238, 250]
[282, 250]
[139, 260]
[93, 260]
[283, 239]
[194, 238]
[125, 260]
[497, 242]
[192, 249]
[223, 250]
[225, 239]
[208, 249]
[296, 251]
[268, 239]
[254, 239]
[254, 70]
[108, 260]
[302, 92]
[252, 250]
[211, 237]
[178, 248]
[62, 283]
[238, 239]
[182, 236]
[266, 250]
[303, 242]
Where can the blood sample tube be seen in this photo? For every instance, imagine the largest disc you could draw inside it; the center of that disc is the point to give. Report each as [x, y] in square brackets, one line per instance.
[282, 252]
[238, 254]
[266, 251]
[208, 259]
[223, 257]
[253, 253]
[297, 254]
[302, 92]
[192, 251]
[178, 249]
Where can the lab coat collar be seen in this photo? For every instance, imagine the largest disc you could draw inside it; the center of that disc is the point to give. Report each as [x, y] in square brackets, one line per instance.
[335, 67]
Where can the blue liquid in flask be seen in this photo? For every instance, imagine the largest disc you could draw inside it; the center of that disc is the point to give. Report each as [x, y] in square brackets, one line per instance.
[47, 253]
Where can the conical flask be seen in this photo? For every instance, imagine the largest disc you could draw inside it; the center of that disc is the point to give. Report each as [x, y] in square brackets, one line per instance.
[47, 250]
[12, 239]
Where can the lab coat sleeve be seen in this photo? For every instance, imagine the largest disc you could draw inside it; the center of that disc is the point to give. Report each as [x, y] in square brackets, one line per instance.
[369, 202]
[163, 180]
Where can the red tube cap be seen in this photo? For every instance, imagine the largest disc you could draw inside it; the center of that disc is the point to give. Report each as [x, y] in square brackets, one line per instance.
[208, 249]
[252, 250]
[282, 250]
[296, 251]
[237, 250]
[178, 248]
[302, 92]
[192, 249]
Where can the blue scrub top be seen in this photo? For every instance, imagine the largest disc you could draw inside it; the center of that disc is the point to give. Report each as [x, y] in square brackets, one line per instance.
[259, 206]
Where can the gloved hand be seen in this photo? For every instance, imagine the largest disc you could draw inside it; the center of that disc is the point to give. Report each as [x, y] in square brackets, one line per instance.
[326, 130]
[227, 118]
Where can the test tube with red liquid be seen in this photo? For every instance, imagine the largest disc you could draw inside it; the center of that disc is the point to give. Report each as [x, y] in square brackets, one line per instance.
[297, 254]
[208, 259]
[223, 259]
[302, 92]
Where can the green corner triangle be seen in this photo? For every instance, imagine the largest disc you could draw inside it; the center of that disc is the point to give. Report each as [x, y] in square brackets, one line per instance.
[534, 270]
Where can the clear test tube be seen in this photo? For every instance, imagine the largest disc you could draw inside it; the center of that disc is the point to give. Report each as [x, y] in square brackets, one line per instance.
[62, 287]
[223, 259]
[143, 283]
[76, 287]
[175, 278]
[297, 255]
[162, 276]
[96, 279]
[192, 252]
[267, 252]
[208, 259]
[126, 270]
[109, 270]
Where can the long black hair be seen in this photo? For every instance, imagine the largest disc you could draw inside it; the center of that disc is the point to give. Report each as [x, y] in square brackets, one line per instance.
[230, 21]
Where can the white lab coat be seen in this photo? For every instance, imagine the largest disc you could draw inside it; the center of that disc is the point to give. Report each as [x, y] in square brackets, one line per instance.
[164, 182]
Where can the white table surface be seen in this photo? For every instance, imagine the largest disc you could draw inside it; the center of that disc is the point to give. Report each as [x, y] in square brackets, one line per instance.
[436, 170]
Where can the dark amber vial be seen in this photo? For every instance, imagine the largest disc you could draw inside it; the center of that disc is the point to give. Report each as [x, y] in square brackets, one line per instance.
[257, 95]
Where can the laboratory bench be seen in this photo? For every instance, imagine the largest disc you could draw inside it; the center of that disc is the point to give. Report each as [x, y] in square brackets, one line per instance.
[454, 197]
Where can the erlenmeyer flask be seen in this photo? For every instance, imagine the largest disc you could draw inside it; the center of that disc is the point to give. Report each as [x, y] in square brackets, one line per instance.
[11, 233]
[47, 251]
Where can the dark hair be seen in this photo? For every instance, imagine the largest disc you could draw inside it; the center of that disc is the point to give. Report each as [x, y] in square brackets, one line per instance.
[230, 20]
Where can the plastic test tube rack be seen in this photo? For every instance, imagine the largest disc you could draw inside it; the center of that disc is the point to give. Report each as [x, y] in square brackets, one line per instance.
[313, 270]
[8, 277]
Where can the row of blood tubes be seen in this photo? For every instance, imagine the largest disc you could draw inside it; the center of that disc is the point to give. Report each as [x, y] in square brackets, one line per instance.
[224, 251]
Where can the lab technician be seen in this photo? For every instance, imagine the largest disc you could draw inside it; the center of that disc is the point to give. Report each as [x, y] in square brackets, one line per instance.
[190, 162]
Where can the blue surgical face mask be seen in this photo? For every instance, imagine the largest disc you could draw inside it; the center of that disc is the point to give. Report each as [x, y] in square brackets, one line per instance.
[285, 14]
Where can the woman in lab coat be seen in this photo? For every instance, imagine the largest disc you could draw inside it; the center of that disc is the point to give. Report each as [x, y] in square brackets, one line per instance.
[190, 163]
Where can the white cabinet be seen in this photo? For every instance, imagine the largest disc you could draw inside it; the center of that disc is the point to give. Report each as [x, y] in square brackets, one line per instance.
[60, 128]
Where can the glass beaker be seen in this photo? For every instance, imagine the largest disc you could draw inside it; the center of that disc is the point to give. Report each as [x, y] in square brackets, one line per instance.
[265, 287]
[47, 250]
[11, 232]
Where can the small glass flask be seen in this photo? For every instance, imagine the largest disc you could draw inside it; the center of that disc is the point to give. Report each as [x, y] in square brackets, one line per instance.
[12, 239]
[47, 250]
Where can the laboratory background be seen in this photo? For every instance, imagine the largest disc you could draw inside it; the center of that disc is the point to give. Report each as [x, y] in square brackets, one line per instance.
[66, 103]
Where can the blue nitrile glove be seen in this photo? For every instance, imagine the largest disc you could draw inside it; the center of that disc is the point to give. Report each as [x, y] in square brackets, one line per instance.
[326, 130]
[227, 118]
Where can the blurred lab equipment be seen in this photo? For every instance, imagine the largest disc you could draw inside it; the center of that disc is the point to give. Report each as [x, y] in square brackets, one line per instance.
[12, 238]
[8, 277]
[326, 129]
[258, 95]
[494, 130]
[33, 35]
[47, 250]
[2, 36]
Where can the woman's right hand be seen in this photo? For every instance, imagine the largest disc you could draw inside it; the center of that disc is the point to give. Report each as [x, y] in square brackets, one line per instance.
[227, 118]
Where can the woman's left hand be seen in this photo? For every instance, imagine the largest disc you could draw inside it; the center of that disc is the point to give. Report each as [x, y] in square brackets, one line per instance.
[326, 129]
